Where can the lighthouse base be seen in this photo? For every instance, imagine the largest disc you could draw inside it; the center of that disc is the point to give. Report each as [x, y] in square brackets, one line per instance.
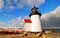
[38, 34]
[35, 31]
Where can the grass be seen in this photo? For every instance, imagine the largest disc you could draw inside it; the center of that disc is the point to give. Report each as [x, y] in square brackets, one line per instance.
[46, 35]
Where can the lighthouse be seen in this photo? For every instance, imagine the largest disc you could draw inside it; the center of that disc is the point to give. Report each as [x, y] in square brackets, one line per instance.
[35, 18]
[27, 24]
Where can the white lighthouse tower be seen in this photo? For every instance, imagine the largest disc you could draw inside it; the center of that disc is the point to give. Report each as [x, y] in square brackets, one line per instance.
[35, 18]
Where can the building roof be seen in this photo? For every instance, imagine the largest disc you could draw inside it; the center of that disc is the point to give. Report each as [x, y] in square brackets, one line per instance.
[34, 12]
[27, 21]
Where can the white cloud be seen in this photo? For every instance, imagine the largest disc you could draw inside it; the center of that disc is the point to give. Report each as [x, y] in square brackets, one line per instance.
[22, 3]
[11, 7]
[1, 4]
[17, 22]
[8, 2]
[12, 4]
[2, 25]
[4, 14]
[51, 19]
[26, 17]
[15, 1]
[30, 3]
[14, 23]
[7, 15]
[35, 2]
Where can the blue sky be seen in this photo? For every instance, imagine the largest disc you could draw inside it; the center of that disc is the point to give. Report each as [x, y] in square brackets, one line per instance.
[10, 10]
